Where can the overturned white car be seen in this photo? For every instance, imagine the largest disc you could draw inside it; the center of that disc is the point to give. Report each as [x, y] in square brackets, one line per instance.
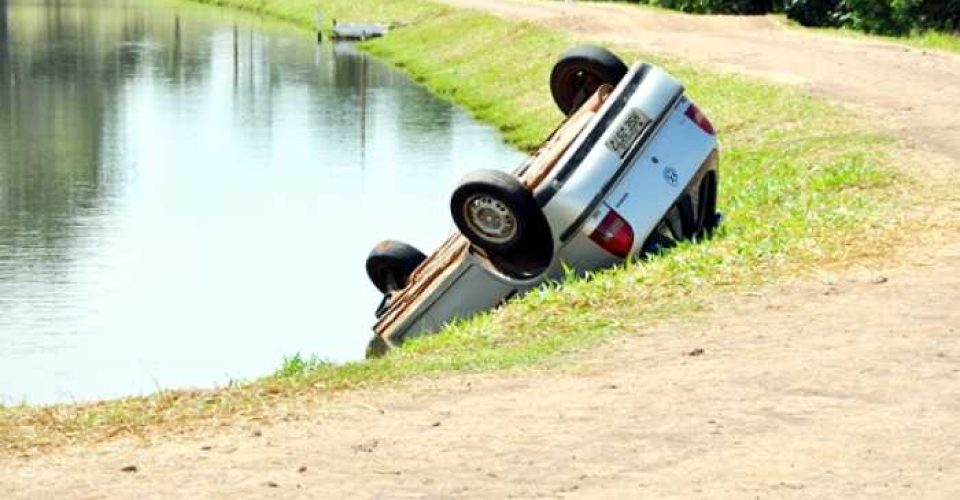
[632, 169]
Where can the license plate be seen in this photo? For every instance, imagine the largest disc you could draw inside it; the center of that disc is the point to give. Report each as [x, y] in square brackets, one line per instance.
[627, 133]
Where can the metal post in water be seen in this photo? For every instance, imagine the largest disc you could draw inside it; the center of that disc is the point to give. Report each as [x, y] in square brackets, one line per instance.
[236, 58]
[4, 43]
[362, 90]
[318, 25]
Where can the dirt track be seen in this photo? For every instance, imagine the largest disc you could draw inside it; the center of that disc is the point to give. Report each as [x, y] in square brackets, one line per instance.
[824, 390]
[917, 92]
[848, 388]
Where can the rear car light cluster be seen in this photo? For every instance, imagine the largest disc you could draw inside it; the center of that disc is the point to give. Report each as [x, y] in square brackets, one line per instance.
[614, 235]
[694, 114]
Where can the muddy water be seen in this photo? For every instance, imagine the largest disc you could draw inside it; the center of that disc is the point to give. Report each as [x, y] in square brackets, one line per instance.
[187, 195]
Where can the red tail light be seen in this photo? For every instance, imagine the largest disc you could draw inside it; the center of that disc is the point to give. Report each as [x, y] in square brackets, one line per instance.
[614, 235]
[694, 113]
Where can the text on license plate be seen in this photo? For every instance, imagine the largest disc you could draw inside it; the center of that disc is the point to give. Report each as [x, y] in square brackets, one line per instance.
[627, 133]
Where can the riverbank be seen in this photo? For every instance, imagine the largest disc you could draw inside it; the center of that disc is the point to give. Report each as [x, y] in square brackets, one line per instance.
[808, 391]
[808, 189]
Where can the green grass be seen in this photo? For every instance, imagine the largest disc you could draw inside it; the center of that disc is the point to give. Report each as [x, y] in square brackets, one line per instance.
[804, 188]
[297, 365]
[933, 40]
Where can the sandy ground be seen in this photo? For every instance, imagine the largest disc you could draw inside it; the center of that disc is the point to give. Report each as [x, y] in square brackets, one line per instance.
[914, 91]
[842, 387]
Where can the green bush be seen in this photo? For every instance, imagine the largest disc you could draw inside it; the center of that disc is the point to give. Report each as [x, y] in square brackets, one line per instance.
[876, 16]
[888, 17]
[943, 15]
[719, 6]
[814, 12]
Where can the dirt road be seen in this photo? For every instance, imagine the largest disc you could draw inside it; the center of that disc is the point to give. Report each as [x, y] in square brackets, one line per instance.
[828, 389]
[836, 390]
[915, 91]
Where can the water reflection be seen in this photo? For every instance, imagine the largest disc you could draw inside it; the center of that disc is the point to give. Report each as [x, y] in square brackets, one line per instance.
[187, 195]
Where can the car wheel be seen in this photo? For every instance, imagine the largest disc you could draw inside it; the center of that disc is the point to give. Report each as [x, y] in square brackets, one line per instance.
[580, 72]
[695, 216]
[688, 219]
[391, 263]
[709, 218]
[657, 242]
[499, 214]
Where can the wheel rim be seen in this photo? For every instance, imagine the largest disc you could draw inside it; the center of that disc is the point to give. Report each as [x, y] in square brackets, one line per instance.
[490, 218]
[581, 84]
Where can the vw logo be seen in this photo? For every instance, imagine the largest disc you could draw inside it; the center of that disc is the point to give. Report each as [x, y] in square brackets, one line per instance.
[671, 176]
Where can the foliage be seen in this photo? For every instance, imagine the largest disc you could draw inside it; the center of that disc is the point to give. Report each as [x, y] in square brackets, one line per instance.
[943, 15]
[889, 17]
[814, 12]
[718, 6]
[875, 16]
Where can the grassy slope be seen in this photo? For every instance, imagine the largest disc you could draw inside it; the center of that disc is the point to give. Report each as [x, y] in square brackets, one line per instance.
[801, 185]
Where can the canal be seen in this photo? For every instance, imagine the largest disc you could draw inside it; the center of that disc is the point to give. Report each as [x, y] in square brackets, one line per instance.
[187, 195]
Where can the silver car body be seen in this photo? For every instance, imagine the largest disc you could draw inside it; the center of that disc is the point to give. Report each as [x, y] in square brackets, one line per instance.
[639, 174]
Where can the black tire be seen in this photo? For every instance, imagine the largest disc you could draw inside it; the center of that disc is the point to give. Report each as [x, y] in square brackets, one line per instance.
[657, 243]
[689, 225]
[708, 216]
[499, 214]
[689, 218]
[580, 72]
[391, 263]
